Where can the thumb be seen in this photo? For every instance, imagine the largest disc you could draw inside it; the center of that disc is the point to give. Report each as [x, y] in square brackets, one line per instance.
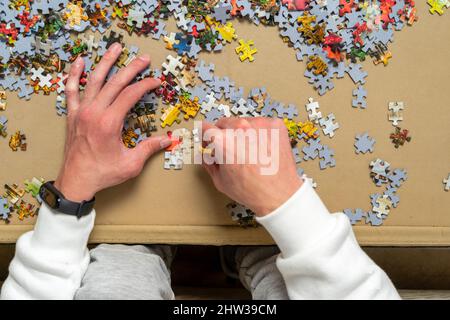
[150, 146]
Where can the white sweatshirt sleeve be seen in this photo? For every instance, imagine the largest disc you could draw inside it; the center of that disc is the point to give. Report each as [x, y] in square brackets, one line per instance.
[320, 257]
[51, 260]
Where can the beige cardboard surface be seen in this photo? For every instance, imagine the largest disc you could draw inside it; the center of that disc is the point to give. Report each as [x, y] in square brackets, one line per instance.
[183, 207]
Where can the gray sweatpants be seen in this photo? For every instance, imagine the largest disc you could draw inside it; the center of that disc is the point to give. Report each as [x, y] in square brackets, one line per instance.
[142, 272]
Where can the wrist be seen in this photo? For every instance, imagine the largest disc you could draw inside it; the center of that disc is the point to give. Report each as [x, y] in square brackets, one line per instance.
[272, 203]
[73, 189]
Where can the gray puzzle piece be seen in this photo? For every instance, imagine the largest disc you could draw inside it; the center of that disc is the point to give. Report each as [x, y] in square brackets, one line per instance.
[361, 94]
[326, 158]
[311, 151]
[354, 216]
[364, 143]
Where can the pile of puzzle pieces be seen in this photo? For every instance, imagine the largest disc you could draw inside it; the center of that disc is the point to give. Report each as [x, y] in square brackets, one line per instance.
[381, 203]
[12, 200]
[36, 46]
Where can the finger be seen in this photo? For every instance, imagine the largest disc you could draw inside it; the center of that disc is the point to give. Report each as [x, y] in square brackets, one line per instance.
[210, 133]
[211, 169]
[205, 127]
[150, 146]
[214, 144]
[131, 95]
[72, 86]
[233, 123]
[119, 81]
[98, 76]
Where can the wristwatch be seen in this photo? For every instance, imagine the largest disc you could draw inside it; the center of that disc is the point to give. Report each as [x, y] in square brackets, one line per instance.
[56, 200]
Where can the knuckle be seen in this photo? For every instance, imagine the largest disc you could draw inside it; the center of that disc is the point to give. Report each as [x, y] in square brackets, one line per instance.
[93, 78]
[85, 116]
[128, 90]
[117, 80]
[241, 123]
[71, 87]
[74, 69]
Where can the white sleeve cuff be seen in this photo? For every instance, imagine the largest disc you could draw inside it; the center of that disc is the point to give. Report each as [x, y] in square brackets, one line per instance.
[63, 235]
[298, 222]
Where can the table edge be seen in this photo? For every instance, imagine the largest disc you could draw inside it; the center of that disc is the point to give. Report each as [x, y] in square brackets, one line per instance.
[231, 235]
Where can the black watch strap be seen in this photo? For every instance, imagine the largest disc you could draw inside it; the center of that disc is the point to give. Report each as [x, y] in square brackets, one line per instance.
[56, 200]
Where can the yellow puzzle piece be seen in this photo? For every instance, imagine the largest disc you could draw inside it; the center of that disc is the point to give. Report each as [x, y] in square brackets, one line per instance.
[227, 32]
[189, 107]
[170, 116]
[246, 50]
[308, 129]
[437, 6]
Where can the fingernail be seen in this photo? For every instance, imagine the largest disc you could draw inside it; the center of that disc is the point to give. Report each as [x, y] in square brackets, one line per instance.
[165, 142]
[144, 58]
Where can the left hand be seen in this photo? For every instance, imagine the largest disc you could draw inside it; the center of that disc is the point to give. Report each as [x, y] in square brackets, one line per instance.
[95, 157]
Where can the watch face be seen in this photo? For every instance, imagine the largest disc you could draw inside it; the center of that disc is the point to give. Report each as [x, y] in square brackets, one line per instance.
[50, 198]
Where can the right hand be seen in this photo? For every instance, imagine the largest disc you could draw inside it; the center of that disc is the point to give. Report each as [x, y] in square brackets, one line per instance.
[244, 183]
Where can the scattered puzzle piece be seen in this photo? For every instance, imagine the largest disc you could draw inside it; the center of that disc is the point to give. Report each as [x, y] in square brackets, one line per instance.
[328, 125]
[395, 112]
[18, 141]
[361, 94]
[326, 158]
[246, 50]
[380, 170]
[354, 216]
[447, 183]
[364, 143]
[245, 217]
[314, 114]
[383, 206]
[437, 6]
[399, 137]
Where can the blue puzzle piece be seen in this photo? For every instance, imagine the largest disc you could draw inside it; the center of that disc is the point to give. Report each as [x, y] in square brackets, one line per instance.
[354, 216]
[311, 151]
[397, 177]
[5, 209]
[373, 219]
[327, 160]
[361, 94]
[364, 143]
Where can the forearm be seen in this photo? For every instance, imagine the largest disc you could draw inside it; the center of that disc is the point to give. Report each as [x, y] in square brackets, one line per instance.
[51, 260]
[320, 257]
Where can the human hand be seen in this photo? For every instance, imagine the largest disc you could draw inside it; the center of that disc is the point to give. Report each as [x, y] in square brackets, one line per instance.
[245, 183]
[95, 157]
